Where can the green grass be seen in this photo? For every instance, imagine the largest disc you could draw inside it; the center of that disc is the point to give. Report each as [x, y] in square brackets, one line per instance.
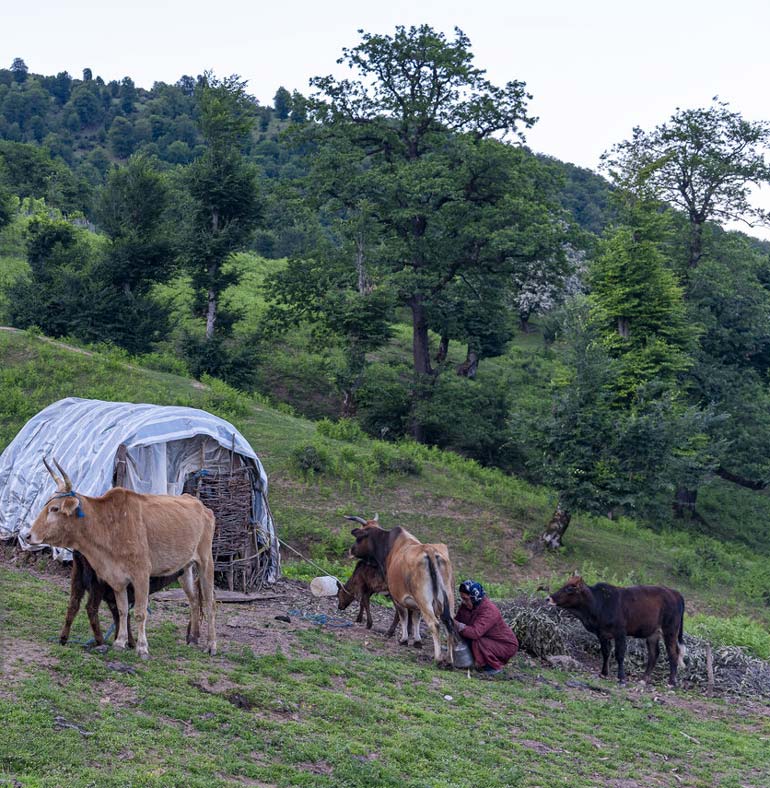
[327, 710]
[331, 712]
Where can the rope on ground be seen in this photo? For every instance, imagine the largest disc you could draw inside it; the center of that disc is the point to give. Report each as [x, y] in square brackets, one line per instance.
[320, 568]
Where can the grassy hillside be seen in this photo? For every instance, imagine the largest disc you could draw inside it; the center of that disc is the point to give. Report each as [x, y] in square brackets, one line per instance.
[308, 705]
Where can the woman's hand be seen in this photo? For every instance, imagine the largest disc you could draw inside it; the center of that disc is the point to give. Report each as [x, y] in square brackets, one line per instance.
[460, 626]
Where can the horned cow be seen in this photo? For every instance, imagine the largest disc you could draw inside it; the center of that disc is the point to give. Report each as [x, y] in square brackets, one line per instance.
[127, 537]
[419, 578]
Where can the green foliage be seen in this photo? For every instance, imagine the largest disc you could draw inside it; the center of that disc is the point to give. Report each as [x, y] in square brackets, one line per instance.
[341, 430]
[639, 307]
[734, 631]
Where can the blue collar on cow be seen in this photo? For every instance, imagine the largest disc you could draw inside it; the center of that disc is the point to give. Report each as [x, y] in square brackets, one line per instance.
[71, 494]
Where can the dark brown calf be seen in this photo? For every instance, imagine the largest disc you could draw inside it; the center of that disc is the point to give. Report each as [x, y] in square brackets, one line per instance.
[615, 613]
[365, 581]
[83, 579]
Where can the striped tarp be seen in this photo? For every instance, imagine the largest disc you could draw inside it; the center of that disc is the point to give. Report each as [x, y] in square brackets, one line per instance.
[163, 445]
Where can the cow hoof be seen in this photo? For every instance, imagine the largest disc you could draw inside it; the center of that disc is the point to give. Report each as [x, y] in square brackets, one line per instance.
[403, 642]
[120, 644]
[62, 641]
[622, 683]
[417, 644]
[143, 655]
[213, 650]
[192, 641]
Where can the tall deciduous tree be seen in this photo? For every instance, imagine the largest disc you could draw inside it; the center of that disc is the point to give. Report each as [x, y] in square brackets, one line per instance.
[420, 114]
[702, 161]
[223, 189]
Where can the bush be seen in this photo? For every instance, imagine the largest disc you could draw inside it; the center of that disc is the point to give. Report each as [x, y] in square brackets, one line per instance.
[342, 430]
[393, 461]
[310, 459]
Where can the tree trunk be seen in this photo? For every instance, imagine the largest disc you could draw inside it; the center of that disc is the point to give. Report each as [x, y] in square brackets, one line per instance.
[211, 313]
[696, 242]
[554, 531]
[443, 349]
[624, 327]
[420, 344]
[684, 503]
[524, 323]
[469, 367]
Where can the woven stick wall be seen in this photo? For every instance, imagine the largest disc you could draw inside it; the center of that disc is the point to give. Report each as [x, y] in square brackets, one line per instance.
[236, 548]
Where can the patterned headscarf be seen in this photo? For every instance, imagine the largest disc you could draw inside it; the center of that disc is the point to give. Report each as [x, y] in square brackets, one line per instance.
[474, 590]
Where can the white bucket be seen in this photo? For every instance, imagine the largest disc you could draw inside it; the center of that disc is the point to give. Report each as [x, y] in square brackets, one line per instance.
[323, 586]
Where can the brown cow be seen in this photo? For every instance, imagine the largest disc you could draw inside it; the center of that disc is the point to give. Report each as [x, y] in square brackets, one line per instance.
[365, 581]
[127, 537]
[419, 577]
[83, 579]
[611, 612]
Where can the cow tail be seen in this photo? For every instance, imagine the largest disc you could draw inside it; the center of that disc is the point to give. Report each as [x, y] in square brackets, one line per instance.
[680, 637]
[439, 592]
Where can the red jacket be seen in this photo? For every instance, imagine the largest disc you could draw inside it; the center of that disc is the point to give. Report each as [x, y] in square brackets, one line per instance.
[492, 640]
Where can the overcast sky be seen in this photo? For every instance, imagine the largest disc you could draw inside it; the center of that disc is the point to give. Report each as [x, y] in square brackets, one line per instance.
[595, 68]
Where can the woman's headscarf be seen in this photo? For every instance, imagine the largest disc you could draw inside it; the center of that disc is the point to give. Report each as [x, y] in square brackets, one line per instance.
[474, 590]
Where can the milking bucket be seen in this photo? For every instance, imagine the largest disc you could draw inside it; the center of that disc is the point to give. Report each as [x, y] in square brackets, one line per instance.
[461, 653]
[323, 586]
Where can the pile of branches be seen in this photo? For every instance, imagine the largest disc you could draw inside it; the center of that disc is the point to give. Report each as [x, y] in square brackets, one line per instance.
[545, 631]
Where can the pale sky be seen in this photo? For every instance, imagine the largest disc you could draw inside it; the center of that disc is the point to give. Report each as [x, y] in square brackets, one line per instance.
[595, 68]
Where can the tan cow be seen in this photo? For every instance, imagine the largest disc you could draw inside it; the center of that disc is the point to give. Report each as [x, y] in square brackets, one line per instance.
[419, 578]
[127, 537]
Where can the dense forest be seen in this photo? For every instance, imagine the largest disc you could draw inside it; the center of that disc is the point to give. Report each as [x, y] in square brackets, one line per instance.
[387, 250]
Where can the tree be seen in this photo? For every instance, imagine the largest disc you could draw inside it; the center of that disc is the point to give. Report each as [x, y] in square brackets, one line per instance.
[223, 190]
[600, 454]
[139, 254]
[638, 307]
[702, 161]
[282, 103]
[420, 116]
[19, 70]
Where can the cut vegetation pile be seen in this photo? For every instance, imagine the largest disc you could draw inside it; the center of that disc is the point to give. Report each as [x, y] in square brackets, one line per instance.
[545, 631]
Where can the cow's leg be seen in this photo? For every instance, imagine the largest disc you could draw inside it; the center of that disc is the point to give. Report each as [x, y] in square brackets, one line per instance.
[435, 633]
[360, 616]
[653, 652]
[393, 624]
[141, 583]
[190, 587]
[674, 657]
[121, 598]
[366, 604]
[620, 656]
[604, 645]
[109, 598]
[415, 621]
[95, 596]
[206, 586]
[76, 596]
[403, 617]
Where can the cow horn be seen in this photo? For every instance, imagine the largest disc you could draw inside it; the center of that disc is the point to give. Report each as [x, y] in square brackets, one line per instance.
[53, 475]
[376, 517]
[355, 519]
[64, 476]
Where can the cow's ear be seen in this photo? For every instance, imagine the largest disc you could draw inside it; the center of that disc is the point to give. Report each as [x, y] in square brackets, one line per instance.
[355, 532]
[69, 505]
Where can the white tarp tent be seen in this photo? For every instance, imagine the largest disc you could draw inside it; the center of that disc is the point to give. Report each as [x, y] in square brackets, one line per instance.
[162, 446]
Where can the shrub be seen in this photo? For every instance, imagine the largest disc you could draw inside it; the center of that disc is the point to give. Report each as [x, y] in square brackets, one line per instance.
[735, 631]
[310, 459]
[342, 430]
